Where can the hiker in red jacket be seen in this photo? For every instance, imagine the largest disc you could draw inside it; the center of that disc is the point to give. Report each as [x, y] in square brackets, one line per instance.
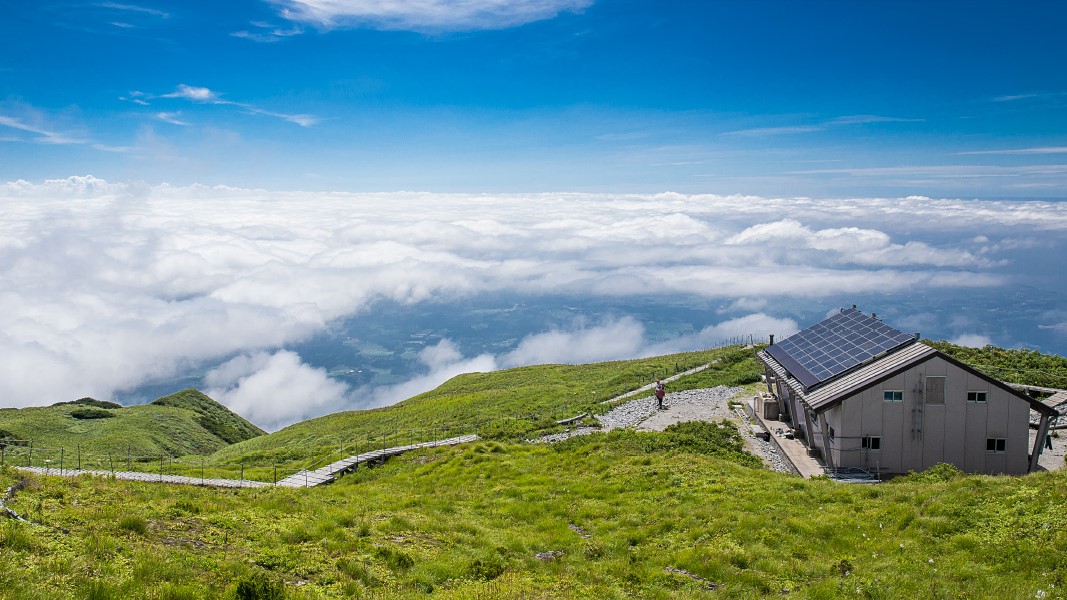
[661, 391]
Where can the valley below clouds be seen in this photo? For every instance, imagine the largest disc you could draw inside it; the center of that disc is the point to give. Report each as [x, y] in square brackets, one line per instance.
[107, 287]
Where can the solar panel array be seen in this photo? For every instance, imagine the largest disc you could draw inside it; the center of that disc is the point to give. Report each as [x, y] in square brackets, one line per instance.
[831, 347]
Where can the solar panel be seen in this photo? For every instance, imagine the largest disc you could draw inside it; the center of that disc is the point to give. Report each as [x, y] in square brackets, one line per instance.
[835, 345]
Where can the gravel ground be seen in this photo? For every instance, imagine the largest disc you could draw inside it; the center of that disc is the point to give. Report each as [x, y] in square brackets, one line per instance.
[1052, 460]
[709, 404]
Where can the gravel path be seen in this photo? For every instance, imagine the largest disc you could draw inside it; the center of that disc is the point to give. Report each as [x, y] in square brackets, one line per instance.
[709, 404]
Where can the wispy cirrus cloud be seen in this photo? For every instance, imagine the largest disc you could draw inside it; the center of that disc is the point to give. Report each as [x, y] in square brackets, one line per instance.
[425, 15]
[1022, 151]
[196, 94]
[1032, 96]
[135, 8]
[203, 95]
[865, 119]
[267, 32]
[172, 118]
[33, 126]
[772, 131]
[820, 126]
[43, 135]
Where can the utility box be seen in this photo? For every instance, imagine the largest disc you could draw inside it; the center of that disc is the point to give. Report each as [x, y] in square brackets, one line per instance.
[767, 406]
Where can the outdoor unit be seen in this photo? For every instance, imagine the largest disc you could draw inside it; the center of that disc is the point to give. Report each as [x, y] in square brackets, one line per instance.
[767, 406]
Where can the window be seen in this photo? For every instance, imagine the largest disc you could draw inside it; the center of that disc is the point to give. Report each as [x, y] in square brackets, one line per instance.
[871, 442]
[935, 390]
[893, 396]
[830, 433]
[979, 397]
[996, 445]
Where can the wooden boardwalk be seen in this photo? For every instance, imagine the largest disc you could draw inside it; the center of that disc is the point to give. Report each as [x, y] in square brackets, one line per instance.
[300, 479]
[330, 472]
[150, 477]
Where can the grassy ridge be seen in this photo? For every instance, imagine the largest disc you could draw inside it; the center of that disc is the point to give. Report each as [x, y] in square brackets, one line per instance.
[1028, 367]
[184, 423]
[623, 514]
[503, 404]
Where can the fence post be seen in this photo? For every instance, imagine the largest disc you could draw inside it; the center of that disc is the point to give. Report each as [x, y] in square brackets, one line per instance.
[161, 466]
[79, 457]
[62, 455]
[242, 470]
[275, 474]
[201, 469]
[3, 454]
[111, 463]
[29, 457]
[128, 466]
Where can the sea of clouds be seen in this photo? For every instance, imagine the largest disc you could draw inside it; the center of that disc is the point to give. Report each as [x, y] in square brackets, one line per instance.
[105, 286]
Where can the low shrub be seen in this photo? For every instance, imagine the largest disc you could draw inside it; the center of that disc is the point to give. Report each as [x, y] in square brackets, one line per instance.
[259, 586]
[13, 536]
[91, 413]
[133, 523]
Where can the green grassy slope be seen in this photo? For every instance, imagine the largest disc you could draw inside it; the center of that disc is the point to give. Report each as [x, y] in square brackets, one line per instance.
[1028, 367]
[504, 404]
[623, 514]
[184, 423]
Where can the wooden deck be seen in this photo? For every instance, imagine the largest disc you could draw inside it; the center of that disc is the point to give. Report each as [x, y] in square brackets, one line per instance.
[300, 479]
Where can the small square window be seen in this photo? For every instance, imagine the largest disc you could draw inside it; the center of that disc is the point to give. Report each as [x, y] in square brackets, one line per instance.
[871, 442]
[893, 396]
[979, 397]
[995, 445]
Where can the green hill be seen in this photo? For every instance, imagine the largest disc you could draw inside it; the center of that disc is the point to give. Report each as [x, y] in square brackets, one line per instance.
[682, 513]
[508, 404]
[187, 422]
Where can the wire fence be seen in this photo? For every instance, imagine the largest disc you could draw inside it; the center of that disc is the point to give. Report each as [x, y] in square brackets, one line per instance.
[311, 452]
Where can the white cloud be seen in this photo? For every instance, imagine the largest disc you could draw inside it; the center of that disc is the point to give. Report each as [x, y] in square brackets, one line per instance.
[1023, 151]
[443, 360]
[203, 95]
[426, 15]
[43, 133]
[865, 119]
[172, 118]
[758, 326]
[274, 390]
[105, 286]
[613, 340]
[135, 8]
[195, 93]
[972, 340]
[771, 131]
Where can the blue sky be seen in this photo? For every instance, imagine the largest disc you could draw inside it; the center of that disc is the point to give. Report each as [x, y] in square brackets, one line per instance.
[231, 195]
[825, 99]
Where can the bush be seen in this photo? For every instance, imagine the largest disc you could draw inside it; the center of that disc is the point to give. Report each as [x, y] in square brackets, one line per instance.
[485, 570]
[259, 586]
[133, 523]
[13, 536]
[91, 402]
[936, 474]
[91, 413]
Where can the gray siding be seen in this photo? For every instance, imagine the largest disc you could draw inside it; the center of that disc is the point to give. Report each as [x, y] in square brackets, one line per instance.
[916, 435]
